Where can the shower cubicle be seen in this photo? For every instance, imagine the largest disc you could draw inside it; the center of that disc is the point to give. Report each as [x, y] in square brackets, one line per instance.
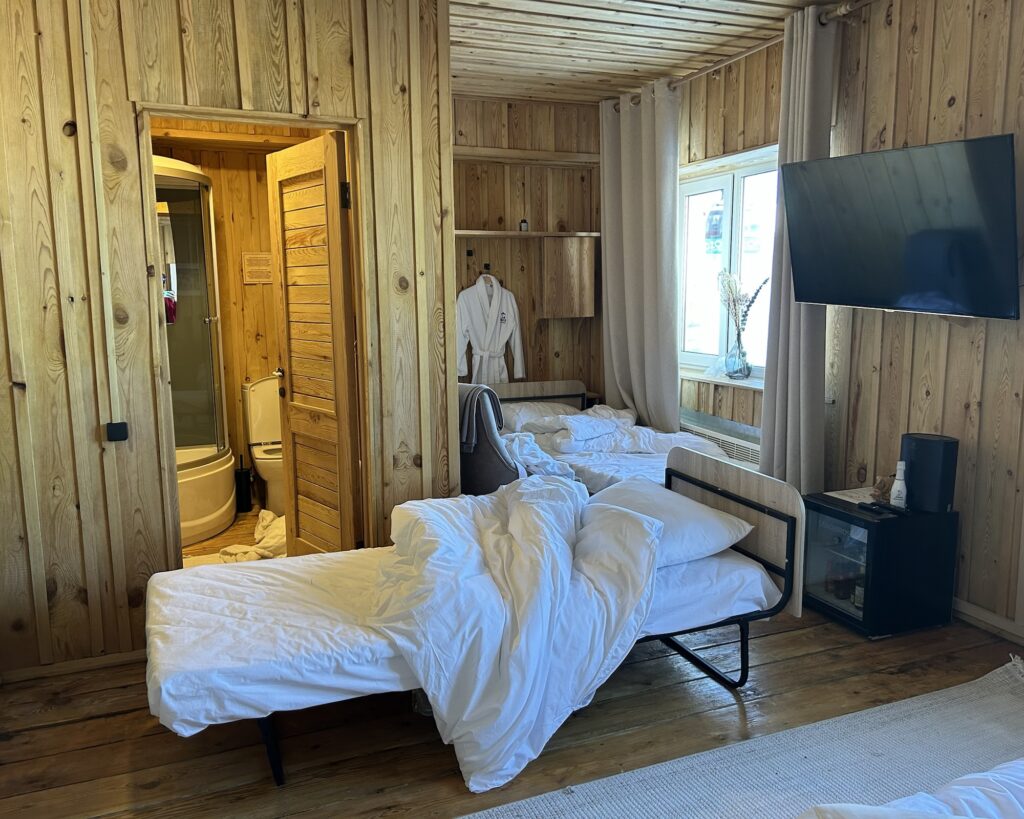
[206, 486]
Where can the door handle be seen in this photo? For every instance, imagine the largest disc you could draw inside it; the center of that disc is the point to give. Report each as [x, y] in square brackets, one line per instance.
[211, 319]
[279, 372]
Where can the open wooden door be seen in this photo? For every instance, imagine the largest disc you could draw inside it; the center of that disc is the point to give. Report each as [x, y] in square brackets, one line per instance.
[311, 244]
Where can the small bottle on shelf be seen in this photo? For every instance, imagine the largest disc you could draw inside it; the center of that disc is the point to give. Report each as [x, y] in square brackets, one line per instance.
[524, 225]
[898, 493]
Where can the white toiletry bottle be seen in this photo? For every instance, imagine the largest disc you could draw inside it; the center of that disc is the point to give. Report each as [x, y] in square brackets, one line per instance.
[898, 493]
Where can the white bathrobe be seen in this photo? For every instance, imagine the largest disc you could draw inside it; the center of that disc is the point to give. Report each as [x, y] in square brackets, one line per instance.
[487, 316]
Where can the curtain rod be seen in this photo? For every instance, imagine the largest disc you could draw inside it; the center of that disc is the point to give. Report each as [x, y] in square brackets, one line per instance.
[841, 10]
[834, 13]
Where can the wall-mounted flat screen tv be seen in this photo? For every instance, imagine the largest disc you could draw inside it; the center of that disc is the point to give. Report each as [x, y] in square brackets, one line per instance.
[931, 229]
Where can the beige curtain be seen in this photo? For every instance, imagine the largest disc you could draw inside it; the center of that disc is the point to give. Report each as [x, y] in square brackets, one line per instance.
[793, 420]
[640, 253]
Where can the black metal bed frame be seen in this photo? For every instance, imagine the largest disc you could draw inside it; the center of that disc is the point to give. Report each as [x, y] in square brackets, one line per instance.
[743, 621]
[268, 732]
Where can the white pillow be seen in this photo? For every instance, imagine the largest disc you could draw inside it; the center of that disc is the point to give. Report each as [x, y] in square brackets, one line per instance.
[691, 529]
[520, 413]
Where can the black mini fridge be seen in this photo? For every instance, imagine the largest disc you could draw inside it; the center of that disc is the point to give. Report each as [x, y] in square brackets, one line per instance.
[880, 573]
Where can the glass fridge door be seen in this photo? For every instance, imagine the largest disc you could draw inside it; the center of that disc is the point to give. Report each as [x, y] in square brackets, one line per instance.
[836, 557]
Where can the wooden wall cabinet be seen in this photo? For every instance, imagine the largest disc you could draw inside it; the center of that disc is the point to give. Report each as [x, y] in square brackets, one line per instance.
[568, 280]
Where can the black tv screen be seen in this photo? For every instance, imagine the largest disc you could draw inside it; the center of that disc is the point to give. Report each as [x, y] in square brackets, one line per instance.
[930, 229]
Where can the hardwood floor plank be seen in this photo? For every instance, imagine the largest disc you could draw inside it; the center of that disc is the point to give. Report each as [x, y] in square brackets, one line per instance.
[423, 780]
[241, 531]
[86, 744]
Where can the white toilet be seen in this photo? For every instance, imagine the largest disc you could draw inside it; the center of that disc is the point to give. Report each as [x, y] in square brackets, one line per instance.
[262, 407]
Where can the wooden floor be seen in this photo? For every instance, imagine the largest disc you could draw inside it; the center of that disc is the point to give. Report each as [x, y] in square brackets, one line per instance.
[243, 531]
[86, 744]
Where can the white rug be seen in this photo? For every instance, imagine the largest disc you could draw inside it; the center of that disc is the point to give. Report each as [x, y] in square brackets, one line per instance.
[869, 757]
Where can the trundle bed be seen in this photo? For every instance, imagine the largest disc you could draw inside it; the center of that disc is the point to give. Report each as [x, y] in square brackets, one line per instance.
[598, 469]
[244, 641]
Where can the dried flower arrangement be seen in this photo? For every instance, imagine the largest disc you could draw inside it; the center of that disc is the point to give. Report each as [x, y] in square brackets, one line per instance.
[737, 305]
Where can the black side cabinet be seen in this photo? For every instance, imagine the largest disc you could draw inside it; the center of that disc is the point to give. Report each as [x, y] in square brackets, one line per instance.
[879, 573]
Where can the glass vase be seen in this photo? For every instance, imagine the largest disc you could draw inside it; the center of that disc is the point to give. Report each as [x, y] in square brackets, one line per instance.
[736, 365]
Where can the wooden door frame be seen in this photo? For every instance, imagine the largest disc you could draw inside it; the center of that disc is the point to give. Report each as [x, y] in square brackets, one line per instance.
[356, 137]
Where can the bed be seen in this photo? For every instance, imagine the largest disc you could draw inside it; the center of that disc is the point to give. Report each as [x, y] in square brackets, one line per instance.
[196, 622]
[595, 469]
[997, 792]
[243, 641]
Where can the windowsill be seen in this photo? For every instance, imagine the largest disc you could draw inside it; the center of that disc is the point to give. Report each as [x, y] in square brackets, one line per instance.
[698, 374]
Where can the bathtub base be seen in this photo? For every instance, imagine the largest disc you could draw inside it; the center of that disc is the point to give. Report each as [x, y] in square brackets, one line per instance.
[206, 498]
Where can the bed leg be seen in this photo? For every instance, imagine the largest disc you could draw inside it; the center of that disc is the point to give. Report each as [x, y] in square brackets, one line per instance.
[269, 735]
[711, 670]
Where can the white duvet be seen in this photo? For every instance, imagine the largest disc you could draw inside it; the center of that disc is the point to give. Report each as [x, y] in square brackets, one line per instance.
[995, 793]
[511, 609]
[603, 429]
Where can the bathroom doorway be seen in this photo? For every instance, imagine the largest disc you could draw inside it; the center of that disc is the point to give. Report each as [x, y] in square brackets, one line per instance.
[249, 367]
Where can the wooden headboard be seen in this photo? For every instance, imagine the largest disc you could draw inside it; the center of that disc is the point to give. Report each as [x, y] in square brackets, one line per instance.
[773, 507]
[569, 391]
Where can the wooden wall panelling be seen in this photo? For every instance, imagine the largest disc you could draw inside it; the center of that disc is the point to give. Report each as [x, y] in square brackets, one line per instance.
[714, 144]
[992, 426]
[264, 80]
[145, 462]
[938, 71]
[698, 119]
[773, 92]
[733, 108]
[64, 588]
[389, 72]
[73, 215]
[27, 560]
[913, 71]
[330, 57]
[733, 101]
[847, 138]
[98, 516]
[43, 406]
[755, 98]
[1013, 120]
[521, 124]
[569, 272]
[23, 614]
[400, 37]
[105, 364]
[209, 50]
[733, 403]
[435, 137]
[153, 49]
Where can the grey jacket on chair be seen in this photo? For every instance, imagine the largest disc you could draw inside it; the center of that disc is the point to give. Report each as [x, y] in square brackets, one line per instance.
[488, 465]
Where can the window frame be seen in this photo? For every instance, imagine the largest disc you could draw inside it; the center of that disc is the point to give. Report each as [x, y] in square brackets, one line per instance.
[726, 174]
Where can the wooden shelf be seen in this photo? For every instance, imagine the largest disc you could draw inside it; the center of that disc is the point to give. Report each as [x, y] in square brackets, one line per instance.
[522, 234]
[520, 157]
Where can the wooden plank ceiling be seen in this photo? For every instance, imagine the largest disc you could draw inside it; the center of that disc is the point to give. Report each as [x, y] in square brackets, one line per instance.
[595, 49]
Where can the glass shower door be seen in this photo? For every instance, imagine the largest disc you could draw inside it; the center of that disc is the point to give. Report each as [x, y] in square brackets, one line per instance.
[190, 301]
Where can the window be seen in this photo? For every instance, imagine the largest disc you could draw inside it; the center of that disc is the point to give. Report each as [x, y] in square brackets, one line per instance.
[728, 226]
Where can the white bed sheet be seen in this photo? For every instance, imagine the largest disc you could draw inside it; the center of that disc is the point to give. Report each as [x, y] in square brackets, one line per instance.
[701, 592]
[599, 470]
[999, 792]
[240, 641]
